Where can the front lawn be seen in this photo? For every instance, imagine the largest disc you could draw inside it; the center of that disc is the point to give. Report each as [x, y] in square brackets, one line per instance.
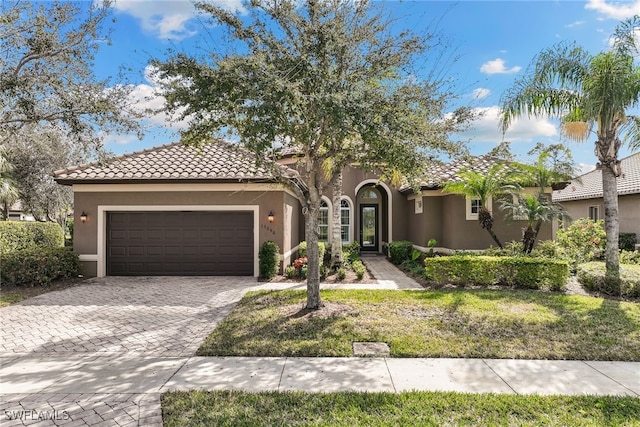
[451, 323]
[234, 408]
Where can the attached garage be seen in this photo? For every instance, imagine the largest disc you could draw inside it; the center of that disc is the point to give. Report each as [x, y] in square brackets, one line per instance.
[180, 244]
[176, 210]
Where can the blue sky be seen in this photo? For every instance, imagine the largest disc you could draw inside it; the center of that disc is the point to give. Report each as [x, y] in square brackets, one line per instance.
[494, 42]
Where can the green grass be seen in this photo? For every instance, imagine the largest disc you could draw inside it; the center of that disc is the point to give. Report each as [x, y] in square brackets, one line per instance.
[470, 323]
[7, 299]
[233, 408]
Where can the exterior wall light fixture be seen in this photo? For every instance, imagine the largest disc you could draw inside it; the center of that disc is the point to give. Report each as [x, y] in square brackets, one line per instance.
[83, 217]
[270, 217]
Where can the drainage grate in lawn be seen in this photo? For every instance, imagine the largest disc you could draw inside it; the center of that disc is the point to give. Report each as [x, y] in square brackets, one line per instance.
[371, 349]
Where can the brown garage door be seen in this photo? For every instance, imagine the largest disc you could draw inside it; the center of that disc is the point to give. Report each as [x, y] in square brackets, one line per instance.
[180, 243]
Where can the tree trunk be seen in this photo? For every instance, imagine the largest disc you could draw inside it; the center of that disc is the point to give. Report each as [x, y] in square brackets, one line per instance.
[336, 222]
[611, 225]
[313, 252]
[486, 222]
[529, 239]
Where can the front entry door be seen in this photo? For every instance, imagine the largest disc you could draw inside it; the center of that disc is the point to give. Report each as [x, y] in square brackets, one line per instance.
[369, 227]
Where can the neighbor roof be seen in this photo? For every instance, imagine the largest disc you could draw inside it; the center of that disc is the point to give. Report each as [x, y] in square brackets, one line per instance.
[589, 185]
[215, 161]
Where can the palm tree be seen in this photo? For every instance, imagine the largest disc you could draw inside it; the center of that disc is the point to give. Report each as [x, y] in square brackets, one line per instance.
[483, 186]
[535, 209]
[539, 208]
[587, 92]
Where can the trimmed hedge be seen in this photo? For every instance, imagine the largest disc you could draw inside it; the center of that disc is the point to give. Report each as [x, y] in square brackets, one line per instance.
[627, 241]
[400, 251]
[520, 272]
[23, 235]
[38, 266]
[269, 259]
[591, 275]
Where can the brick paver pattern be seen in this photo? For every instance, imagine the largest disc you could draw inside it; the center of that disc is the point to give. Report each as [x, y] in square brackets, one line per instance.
[160, 316]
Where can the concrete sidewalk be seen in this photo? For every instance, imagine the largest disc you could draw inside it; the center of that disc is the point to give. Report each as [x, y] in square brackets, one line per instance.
[86, 376]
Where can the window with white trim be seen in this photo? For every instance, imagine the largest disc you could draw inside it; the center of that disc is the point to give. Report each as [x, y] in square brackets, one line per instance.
[345, 221]
[473, 205]
[594, 213]
[323, 222]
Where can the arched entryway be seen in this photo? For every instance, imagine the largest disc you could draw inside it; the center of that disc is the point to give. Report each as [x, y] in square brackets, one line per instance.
[372, 216]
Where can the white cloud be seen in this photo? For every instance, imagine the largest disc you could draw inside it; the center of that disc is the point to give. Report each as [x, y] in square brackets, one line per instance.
[575, 24]
[481, 93]
[145, 99]
[497, 67]
[486, 128]
[618, 11]
[169, 19]
[584, 168]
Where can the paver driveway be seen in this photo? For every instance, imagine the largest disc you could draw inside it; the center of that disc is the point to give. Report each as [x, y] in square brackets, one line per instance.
[95, 331]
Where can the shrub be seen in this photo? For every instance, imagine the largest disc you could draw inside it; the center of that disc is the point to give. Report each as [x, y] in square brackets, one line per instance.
[548, 248]
[341, 274]
[290, 272]
[582, 241]
[592, 276]
[38, 266]
[324, 272]
[512, 248]
[351, 252]
[269, 259]
[359, 269]
[627, 241]
[400, 251]
[302, 250]
[521, 272]
[413, 267]
[431, 244]
[630, 257]
[22, 235]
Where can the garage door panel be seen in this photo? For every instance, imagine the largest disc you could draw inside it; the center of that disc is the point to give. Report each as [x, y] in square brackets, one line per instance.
[180, 243]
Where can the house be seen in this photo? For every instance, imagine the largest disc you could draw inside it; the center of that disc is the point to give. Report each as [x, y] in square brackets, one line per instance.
[582, 198]
[175, 210]
[17, 213]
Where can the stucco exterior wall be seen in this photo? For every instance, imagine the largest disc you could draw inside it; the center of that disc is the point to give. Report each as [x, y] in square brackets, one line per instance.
[460, 233]
[426, 225]
[628, 211]
[266, 199]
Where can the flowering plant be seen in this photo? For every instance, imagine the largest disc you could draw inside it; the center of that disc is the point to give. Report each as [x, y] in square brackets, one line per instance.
[582, 241]
[300, 262]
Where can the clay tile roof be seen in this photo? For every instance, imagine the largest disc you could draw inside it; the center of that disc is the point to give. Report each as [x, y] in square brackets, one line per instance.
[215, 161]
[589, 185]
[437, 175]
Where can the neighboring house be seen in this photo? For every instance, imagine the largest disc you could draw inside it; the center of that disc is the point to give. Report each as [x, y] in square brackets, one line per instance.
[582, 198]
[17, 213]
[174, 210]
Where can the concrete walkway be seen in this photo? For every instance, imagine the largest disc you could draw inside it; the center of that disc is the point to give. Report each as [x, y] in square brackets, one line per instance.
[388, 274]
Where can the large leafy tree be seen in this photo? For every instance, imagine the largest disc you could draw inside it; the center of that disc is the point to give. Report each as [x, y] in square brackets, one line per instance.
[497, 181]
[331, 78]
[46, 77]
[592, 95]
[8, 190]
[38, 152]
